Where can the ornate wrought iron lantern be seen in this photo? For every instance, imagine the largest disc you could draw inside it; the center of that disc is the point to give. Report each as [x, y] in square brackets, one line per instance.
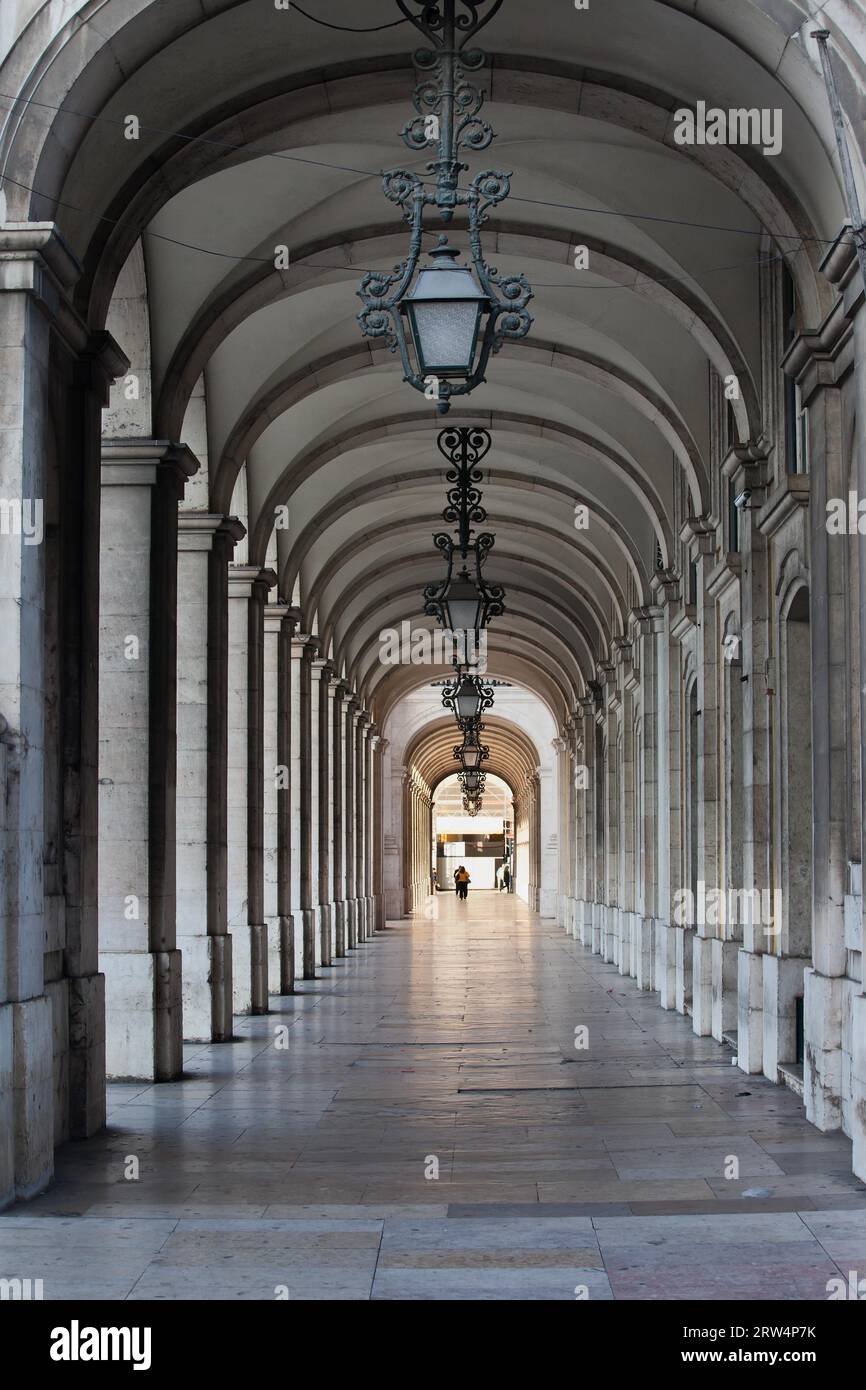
[471, 753]
[467, 697]
[473, 783]
[457, 315]
[464, 602]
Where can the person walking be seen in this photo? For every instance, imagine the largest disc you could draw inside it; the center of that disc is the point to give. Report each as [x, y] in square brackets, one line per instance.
[457, 872]
[506, 878]
[500, 876]
[463, 882]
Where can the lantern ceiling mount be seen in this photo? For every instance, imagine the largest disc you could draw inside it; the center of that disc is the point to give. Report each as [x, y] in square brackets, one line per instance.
[457, 315]
[464, 601]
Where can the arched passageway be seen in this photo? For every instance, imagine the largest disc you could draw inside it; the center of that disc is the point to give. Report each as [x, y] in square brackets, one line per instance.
[218, 780]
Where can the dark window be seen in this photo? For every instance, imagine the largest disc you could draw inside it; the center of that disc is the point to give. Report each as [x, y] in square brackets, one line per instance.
[733, 520]
[794, 421]
[801, 1031]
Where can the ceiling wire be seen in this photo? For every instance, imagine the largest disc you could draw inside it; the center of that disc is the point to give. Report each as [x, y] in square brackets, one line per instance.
[253, 153]
[346, 29]
[661, 280]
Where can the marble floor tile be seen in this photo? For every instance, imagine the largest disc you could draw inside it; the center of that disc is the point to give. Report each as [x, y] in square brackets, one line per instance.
[308, 1173]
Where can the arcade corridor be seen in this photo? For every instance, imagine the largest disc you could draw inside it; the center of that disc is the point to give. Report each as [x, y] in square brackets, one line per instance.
[560, 1169]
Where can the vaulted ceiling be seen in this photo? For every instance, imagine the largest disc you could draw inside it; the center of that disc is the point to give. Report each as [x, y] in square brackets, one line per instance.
[284, 128]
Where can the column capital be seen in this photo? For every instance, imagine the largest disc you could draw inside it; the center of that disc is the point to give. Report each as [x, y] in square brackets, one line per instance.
[100, 362]
[198, 530]
[248, 581]
[665, 585]
[699, 536]
[304, 646]
[323, 669]
[277, 617]
[141, 462]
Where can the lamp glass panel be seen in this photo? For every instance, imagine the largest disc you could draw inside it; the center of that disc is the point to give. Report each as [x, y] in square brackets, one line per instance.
[445, 332]
[463, 607]
[468, 701]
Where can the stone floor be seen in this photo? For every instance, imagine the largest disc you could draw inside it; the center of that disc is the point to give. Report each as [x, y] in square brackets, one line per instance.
[302, 1171]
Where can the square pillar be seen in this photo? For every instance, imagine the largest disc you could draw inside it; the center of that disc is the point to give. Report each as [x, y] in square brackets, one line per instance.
[248, 587]
[304, 648]
[206, 542]
[277, 618]
[336, 693]
[323, 705]
[142, 483]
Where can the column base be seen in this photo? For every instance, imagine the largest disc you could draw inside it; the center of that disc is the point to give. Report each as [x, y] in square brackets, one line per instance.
[351, 923]
[325, 943]
[750, 1012]
[623, 941]
[783, 985]
[684, 944]
[7, 1110]
[666, 964]
[309, 917]
[143, 1015]
[86, 1055]
[26, 1098]
[858, 1084]
[287, 955]
[644, 952]
[584, 924]
[598, 916]
[242, 969]
[610, 935]
[338, 918]
[822, 1062]
[371, 916]
[380, 911]
[723, 966]
[259, 967]
[702, 985]
[272, 929]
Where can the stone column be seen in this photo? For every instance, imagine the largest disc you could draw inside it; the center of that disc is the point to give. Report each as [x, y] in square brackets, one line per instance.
[380, 746]
[644, 630]
[54, 380]
[701, 549]
[349, 818]
[369, 829]
[337, 690]
[248, 589]
[626, 685]
[142, 483]
[324, 702]
[304, 648]
[755, 600]
[665, 587]
[278, 622]
[361, 732]
[286, 855]
[587, 884]
[206, 542]
[825, 999]
[611, 839]
[275, 787]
